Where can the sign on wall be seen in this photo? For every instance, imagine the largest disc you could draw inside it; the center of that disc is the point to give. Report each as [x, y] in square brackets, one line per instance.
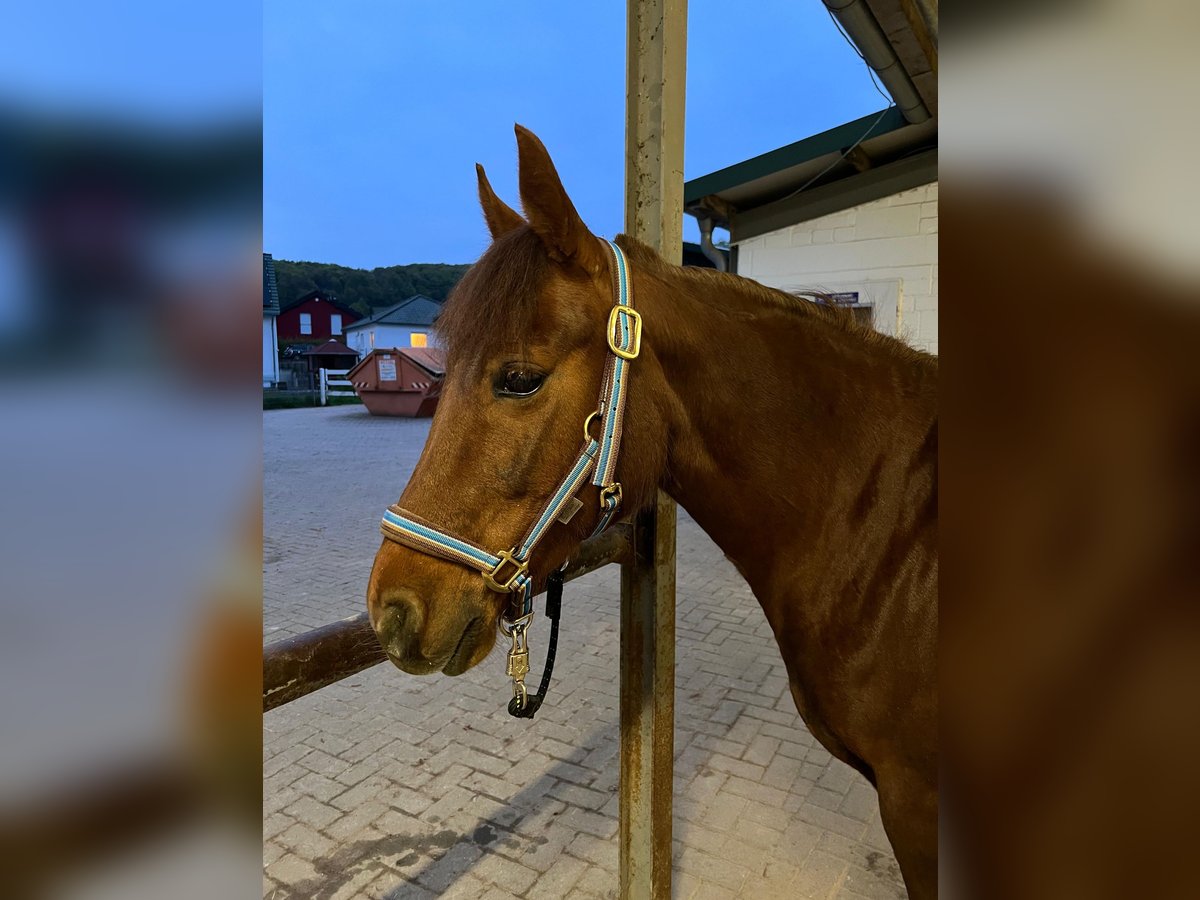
[875, 302]
[845, 298]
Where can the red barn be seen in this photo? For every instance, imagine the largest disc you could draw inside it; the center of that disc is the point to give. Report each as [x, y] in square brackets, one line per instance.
[313, 319]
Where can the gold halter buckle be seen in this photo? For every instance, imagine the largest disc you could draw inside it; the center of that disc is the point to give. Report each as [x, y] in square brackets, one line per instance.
[506, 586]
[611, 490]
[635, 331]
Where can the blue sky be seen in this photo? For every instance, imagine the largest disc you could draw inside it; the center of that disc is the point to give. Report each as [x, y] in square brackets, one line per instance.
[134, 62]
[375, 112]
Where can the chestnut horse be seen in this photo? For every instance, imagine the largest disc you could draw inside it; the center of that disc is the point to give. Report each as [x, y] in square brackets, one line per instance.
[803, 443]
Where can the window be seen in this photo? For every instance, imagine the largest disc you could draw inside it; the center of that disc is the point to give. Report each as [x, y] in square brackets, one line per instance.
[305, 323]
[417, 339]
[335, 324]
[372, 336]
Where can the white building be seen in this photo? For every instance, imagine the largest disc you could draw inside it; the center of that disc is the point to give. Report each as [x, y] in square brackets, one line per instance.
[270, 313]
[852, 211]
[407, 324]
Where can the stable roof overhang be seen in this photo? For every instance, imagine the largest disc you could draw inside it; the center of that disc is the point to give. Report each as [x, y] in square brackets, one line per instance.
[864, 160]
[873, 157]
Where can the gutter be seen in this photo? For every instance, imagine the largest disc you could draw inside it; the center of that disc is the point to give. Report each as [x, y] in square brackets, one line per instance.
[859, 23]
[707, 247]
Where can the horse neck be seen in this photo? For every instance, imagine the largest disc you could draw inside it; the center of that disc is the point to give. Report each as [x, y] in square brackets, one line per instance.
[792, 436]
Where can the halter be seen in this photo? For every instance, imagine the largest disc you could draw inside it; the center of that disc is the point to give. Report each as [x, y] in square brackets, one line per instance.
[507, 571]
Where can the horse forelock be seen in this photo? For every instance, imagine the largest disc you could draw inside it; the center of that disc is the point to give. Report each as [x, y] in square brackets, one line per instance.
[495, 302]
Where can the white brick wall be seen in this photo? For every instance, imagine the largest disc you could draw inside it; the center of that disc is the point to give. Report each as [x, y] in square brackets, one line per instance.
[886, 250]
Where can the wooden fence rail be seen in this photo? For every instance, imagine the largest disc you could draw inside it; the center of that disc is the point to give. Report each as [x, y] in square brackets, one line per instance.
[299, 665]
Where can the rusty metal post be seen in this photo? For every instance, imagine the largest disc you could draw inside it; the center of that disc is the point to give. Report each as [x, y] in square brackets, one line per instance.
[654, 104]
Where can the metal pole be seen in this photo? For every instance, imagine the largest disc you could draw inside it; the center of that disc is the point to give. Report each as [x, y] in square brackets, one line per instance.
[321, 378]
[654, 105]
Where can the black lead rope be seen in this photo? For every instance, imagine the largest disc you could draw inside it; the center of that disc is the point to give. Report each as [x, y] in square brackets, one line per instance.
[554, 589]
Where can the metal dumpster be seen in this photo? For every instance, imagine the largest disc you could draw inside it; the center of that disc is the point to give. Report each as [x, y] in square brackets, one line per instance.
[401, 381]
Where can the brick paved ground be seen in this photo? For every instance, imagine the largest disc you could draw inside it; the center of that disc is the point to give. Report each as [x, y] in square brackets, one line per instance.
[392, 786]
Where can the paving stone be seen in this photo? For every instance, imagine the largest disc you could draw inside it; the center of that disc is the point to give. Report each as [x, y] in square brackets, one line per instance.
[598, 883]
[825, 798]
[819, 875]
[458, 861]
[714, 892]
[713, 870]
[385, 890]
[757, 793]
[762, 750]
[318, 786]
[348, 826]
[538, 853]
[584, 820]
[275, 823]
[594, 850]
[698, 837]
[465, 887]
[557, 881]
[305, 842]
[771, 817]
[505, 873]
[723, 810]
[798, 840]
[313, 812]
[831, 821]
[355, 885]
[757, 834]
[578, 796]
[496, 893]
[860, 802]
[290, 869]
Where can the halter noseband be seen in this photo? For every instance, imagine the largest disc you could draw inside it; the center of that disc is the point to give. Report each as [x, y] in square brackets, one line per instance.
[508, 570]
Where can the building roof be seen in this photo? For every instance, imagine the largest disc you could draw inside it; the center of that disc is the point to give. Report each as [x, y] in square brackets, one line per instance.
[416, 310]
[332, 348]
[270, 290]
[863, 160]
[319, 294]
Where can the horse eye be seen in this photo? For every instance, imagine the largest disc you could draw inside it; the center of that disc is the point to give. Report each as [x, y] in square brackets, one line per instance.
[520, 382]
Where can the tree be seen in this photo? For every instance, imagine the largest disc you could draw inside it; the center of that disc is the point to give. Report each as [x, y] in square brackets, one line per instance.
[363, 290]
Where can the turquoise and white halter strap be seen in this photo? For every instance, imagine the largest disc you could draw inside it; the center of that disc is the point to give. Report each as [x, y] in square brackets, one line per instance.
[507, 571]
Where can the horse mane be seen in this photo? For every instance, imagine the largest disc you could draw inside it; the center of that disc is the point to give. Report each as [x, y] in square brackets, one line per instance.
[740, 296]
[495, 302]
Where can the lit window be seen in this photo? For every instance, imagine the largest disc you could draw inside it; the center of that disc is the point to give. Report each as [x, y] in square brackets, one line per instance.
[335, 324]
[417, 339]
[305, 323]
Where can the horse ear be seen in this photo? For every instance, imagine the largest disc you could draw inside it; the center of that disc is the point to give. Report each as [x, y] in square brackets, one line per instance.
[501, 218]
[550, 211]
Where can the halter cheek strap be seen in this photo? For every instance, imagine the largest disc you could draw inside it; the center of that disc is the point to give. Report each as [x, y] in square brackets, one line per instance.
[507, 571]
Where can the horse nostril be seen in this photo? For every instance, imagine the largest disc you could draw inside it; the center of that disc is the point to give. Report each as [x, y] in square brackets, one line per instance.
[397, 625]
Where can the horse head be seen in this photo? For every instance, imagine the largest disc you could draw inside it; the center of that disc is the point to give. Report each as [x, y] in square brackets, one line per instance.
[527, 332]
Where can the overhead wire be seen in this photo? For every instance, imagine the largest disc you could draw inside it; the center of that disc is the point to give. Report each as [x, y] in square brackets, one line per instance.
[870, 129]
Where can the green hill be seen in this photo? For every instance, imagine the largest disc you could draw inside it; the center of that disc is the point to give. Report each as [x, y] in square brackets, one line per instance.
[366, 290]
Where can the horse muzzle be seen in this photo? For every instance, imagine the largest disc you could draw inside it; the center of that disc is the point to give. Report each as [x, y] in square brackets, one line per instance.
[415, 646]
